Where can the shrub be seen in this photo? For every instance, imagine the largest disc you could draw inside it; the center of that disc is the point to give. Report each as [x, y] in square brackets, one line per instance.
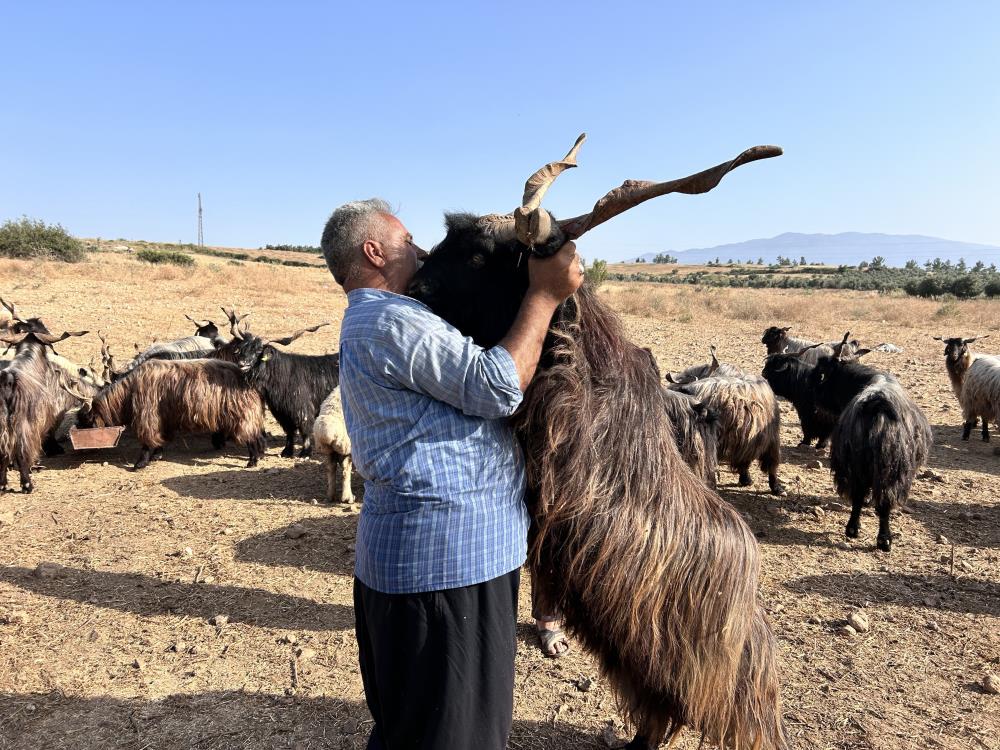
[32, 238]
[931, 286]
[992, 288]
[165, 256]
[966, 286]
[596, 273]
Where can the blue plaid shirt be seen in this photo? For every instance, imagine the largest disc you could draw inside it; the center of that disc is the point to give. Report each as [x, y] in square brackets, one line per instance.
[444, 474]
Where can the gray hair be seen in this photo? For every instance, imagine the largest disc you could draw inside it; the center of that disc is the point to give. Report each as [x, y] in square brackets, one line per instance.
[346, 230]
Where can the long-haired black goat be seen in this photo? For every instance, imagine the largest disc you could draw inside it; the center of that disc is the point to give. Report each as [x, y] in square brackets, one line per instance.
[788, 376]
[292, 385]
[33, 395]
[881, 438]
[655, 574]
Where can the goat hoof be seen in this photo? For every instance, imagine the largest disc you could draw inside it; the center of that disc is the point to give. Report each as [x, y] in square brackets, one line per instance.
[745, 481]
[852, 532]
[288, 453]
[27, 489]
[779, 490]
[639, 743]
[305, 453]
[885, 543]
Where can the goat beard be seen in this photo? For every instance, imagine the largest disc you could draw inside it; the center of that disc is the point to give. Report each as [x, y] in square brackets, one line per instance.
[652, 571]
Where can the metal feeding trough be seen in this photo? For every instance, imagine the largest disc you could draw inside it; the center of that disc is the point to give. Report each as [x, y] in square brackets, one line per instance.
[97, 437]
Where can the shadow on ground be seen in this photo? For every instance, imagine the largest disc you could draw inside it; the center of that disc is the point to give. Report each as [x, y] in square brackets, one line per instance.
[323, 545]
[219, 721]
[149, 596]
[930, 592]
[303, 481]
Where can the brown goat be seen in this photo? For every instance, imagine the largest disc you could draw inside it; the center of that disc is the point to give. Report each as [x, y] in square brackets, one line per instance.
[160, 398]
[33, 395]
[653, 571]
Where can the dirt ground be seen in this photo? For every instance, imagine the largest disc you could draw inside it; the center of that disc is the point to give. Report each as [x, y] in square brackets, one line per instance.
[112, 583]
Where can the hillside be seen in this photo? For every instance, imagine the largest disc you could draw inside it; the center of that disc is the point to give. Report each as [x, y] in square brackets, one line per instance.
[846, 248]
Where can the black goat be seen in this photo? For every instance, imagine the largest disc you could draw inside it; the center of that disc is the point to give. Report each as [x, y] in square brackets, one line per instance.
[292, 385]
[881, 438]
[788, 376]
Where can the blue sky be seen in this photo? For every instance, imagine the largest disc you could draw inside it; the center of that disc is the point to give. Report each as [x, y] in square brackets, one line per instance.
[116, 115]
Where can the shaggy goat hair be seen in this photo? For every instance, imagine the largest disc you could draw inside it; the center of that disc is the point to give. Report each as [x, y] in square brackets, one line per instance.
[749, 423]
[33, 395]
[788, 377]
[161, 398]
[83, 382]
[975, 379]
[292, 385]
[205, 340]
[881, 439]
[696, 432]
[330, 437]
[654, 573]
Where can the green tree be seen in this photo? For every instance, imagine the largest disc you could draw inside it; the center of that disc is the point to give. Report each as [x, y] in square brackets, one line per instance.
[596, 273]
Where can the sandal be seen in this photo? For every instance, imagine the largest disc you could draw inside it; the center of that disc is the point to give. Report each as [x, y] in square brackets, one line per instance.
[549, 640]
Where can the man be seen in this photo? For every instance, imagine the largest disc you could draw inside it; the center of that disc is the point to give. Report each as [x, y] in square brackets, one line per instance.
[443, 530]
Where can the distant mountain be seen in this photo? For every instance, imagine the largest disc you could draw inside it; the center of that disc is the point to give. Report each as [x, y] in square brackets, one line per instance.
[847, 248]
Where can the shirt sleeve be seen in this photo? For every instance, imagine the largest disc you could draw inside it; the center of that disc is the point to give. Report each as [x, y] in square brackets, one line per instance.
[437, 360]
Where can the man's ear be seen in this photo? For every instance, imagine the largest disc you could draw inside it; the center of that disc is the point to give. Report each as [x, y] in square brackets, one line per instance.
[374, 252]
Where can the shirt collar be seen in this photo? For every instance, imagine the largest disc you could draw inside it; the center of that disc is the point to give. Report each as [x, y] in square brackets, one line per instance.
[364, 294]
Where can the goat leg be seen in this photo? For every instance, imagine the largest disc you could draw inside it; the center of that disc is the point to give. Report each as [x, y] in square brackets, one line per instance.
[306, 449]
[967, 428]
[854, 522]
[346, 496]
[884, 541]
[144, 458]
[744, 474]
[24, 469]
[289, 450]
[639, 742]
[986, 430]
[3, 474]
[218, 440]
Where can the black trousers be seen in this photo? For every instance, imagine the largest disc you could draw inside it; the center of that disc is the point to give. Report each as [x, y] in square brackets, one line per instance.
[438, 667]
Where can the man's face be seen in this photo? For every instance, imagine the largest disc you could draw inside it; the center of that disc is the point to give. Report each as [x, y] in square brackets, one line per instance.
[402, 256]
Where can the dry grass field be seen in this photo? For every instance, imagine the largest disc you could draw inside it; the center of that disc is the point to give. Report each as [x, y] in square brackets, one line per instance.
[177, 607]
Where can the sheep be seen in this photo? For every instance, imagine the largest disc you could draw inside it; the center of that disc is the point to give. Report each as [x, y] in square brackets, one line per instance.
[975, 379]
[880, 441]
[643, 560]
[292, 385]
[330, 437]
[33, 397]
[749, 423]
[203, 343]
[788, 377]
[161, 398]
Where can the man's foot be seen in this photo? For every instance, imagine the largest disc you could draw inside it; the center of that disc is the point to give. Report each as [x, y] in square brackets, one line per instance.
[551, 638]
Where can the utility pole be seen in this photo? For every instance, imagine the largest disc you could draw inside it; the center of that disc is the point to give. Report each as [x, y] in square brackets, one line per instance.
[201, 235]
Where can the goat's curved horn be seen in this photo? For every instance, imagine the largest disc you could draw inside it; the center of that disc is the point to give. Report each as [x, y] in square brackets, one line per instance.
[289, 339]
[198, 323]
[13, 339]
[532, 224]
[937, 338]
[802, 351]
[975, 338]
[633, 192]
[48, 338]
[234, 321]
[12, 310]
[838, 349]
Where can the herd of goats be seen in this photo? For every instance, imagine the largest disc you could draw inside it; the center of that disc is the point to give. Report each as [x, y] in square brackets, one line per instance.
[203, 383]
[655, 574]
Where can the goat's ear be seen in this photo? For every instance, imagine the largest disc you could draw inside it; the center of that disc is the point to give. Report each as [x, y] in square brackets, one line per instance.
[975, 338]
[937, 338]
[782, 367]
[786, 329]
[678, 378]
[861, 352]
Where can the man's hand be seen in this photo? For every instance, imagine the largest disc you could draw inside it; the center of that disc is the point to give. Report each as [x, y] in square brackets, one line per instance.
[551, 280]
[556, 277]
